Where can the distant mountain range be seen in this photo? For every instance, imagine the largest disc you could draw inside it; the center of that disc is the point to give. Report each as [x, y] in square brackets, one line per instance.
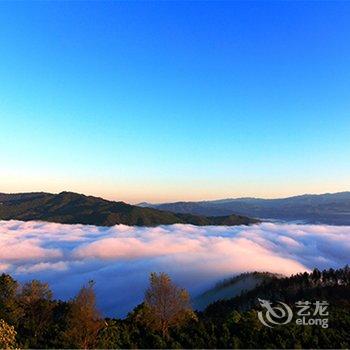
[329, 208]
[74, 208]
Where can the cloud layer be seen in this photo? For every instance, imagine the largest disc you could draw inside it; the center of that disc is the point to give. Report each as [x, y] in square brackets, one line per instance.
[119, 258]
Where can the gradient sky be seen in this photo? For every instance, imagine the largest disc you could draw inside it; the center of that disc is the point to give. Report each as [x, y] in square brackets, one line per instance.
[163, 101]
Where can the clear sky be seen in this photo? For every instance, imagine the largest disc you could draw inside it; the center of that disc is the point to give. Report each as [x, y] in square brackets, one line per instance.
[163, 101]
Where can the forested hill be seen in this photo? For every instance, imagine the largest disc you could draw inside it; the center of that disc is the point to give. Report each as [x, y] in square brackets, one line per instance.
[74, 208]
[31, 318]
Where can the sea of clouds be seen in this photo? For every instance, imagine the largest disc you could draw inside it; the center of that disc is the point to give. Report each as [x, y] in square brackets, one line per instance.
[120, 258]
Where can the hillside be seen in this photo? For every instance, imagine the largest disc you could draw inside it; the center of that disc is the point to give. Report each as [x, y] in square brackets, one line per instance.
[332, 285]
[329, 208]
[231, 288]
[73, 208]
[42, 322]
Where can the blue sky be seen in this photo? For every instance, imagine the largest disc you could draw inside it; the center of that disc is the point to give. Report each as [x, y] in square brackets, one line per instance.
[166, 101]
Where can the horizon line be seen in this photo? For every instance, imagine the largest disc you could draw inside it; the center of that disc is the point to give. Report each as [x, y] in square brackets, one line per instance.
[178, 201]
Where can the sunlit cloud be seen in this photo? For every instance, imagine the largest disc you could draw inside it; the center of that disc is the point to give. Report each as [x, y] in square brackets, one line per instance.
[119, 258]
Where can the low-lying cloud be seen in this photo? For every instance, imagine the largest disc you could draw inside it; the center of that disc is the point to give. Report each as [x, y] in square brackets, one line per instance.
[119, 258]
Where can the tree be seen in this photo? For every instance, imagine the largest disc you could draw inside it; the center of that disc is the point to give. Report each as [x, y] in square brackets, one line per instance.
[114, 334]
[36, 303]
[7, 335]
[165, 305]
[9, 310]
[84, 320]
[35, 290]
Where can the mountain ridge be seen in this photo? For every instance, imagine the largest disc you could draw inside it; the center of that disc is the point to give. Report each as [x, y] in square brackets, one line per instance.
[73, 208]
[327, 208]
[252, 198]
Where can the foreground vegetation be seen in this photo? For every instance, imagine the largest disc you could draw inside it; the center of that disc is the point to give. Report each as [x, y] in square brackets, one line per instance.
[31, 318]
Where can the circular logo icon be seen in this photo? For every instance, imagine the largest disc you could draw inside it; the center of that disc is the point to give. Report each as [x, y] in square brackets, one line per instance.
[274, 315]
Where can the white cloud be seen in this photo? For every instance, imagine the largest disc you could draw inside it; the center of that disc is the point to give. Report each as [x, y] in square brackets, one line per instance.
[119, 258]
[43, 266]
